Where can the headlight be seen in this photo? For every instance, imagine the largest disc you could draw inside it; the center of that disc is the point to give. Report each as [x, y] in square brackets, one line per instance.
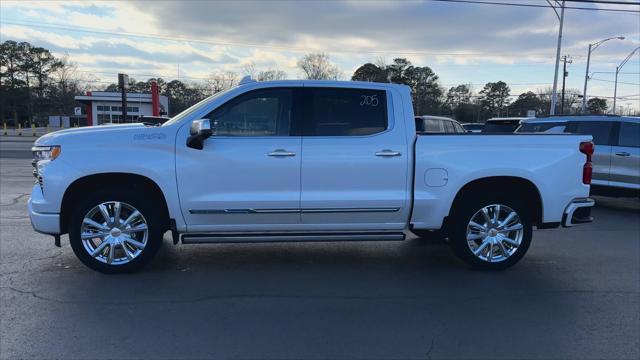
[45, 152]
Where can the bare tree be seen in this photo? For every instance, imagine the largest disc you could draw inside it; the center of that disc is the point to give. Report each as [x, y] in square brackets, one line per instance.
[222, 81]
[250, 69]
[318, 66]
[271, 74]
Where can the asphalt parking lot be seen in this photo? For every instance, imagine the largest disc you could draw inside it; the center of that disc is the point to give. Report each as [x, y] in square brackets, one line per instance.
[575, 295]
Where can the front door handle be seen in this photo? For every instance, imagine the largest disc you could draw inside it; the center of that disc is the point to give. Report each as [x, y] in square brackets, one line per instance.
[281, 153]
[387, 152]
[623, 153]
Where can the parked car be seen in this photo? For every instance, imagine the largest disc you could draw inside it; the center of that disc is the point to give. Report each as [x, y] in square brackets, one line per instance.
[342, 162]
[437, 124]
[501, 125]
[616, 161]
[473, 127]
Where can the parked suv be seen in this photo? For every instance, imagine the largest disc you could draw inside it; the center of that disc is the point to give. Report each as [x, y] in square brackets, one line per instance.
[616, 162]
[438, 124]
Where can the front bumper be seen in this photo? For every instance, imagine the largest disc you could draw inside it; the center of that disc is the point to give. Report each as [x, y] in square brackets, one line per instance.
[578, 212]
[45, 223]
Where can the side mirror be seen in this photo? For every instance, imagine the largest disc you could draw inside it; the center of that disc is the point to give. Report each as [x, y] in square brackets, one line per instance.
[199, 131]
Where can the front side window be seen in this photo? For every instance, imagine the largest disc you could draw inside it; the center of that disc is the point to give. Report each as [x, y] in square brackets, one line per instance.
[345, 112]
[629, 134]
[600, 130]
[264, 112]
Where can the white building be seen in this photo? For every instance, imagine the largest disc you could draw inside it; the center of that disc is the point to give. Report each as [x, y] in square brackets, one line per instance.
[106, 107]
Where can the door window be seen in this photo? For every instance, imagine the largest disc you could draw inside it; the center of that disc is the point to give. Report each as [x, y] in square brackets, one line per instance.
[345, 112]
[600, 130]
[629, 134]
[258, 113]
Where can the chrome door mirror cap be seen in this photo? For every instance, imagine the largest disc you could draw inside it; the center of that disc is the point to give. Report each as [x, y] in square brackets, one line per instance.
[200, 130]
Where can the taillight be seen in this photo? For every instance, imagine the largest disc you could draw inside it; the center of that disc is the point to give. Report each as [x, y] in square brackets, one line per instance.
[587, 148]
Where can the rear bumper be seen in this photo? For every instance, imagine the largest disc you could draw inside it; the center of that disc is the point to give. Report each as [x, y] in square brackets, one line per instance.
[44, 222]
[578, 212]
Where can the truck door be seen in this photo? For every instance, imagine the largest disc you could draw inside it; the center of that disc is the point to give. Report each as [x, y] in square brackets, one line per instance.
[247, 176]
[625, 158]
[602, 137]
[355, 160]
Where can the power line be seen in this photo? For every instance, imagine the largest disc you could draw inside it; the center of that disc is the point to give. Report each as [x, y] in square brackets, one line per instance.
[608, 2]
[236, 44]
[613, 72]
[483, 2]
[611, 81]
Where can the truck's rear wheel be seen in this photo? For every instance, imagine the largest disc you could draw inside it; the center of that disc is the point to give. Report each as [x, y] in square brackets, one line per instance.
[491, 234]
[115, 231]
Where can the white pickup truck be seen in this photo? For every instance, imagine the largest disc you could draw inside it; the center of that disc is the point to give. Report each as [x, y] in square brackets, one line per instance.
[302, 161]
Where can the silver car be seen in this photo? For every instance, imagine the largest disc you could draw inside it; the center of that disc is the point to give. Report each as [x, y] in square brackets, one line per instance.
[616, 161]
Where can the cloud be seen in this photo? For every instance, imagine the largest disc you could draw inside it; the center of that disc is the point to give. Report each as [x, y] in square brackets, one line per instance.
[461, 42]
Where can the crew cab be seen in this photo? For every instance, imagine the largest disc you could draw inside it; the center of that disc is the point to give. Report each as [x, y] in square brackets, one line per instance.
[302, 161]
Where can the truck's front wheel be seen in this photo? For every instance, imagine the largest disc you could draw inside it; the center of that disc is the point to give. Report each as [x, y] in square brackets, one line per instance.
[115, 231]
[489, 233]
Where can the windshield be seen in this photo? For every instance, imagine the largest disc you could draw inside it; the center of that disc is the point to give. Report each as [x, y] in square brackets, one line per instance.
[499, 127]
[193, 108]
[544, 127]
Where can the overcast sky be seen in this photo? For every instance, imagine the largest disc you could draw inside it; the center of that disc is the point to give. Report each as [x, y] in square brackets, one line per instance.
[462, 43]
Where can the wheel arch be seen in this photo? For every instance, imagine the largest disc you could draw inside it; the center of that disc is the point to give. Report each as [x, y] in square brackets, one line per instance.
[88, 183]
[504, 185]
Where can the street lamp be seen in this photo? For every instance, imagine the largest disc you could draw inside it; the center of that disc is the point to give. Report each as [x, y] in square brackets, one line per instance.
[618, 68]
[592, 48]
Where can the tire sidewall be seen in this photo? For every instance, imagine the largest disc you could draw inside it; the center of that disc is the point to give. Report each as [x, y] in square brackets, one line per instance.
[462, 215]
[135, 199]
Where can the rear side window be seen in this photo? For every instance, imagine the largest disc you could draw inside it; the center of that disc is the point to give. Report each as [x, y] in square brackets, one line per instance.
[600, 130]
[345, 112]
[544, 127]
[629, 134]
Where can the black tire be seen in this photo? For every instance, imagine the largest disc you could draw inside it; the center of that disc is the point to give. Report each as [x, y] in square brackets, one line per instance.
[148, 209]
[461, 216]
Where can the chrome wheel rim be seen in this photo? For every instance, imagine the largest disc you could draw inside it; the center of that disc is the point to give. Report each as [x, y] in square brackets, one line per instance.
[494, 233]
[114, 232]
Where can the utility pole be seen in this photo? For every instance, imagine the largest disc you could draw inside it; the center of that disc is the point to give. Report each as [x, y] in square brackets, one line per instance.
[565, 60]
[554, 96]
[123, 82]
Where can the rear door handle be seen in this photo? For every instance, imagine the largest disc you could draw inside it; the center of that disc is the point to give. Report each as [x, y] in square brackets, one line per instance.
[281, 153]
[623, 153]
[387, 152]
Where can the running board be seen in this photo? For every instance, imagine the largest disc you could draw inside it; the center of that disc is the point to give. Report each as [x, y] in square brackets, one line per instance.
[289, 237]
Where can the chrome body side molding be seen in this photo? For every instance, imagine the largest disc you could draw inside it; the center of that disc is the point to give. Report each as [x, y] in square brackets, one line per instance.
[286, 211]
